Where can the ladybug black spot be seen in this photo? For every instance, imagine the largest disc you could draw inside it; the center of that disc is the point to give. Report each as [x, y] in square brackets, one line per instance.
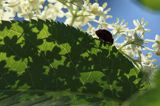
[105, 35]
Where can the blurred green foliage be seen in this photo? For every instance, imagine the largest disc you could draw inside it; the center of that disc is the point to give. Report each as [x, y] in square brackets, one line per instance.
[151, 97]
[40, 57]
[151, 4]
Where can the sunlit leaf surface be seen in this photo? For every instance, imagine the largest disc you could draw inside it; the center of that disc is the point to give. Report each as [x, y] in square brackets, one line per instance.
[45, 63]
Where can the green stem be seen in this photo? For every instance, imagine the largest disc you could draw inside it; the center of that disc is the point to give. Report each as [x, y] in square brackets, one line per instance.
[73, 18]
[149, 40]
[149, 49]
[124, 45]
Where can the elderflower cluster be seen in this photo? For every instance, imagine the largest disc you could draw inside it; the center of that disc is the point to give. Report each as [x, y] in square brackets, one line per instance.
[156, 45]
[28, 9]
[82, 13]
[77, 13]
[134, 43]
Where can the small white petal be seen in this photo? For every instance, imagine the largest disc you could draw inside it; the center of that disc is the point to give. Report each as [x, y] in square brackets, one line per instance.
[157, 38]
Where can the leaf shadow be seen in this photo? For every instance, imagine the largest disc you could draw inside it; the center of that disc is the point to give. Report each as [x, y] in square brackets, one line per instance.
[72, 61]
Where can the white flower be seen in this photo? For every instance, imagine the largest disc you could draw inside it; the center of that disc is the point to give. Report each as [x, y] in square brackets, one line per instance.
[132, 50]
[52, 1]
[131, 45]
[91, 30]
[36, 4]
[8, 14]
[52, 11]
[96, 9]
[157, 39]
[11, 3]
[147, 59]
[84, 17]
[147, 63]
[102, 23]
[8, 11]
[119, 28]
[132, 38]
[140, 26]
[25, 10]
[156, 45]
[78, 18]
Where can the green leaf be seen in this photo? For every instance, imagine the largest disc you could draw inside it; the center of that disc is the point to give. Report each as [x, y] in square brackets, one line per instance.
[49, 56]
[149, 97]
